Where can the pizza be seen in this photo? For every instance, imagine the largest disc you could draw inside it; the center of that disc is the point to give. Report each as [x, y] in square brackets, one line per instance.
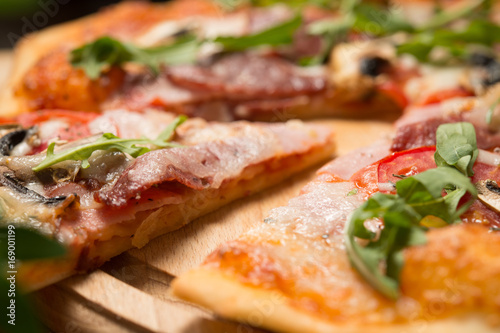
[345, 255]
[297, 264]
[397, 236]
[205, 81]
[198, 58]
[101, 194]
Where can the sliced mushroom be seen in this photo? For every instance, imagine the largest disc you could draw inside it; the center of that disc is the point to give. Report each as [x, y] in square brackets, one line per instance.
[374, 65]
[14, 135]
[7, 179]
[490, 65]
[489, 194]
[485, 72]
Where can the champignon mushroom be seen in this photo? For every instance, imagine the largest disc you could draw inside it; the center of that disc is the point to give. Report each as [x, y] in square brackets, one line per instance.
[489, 194]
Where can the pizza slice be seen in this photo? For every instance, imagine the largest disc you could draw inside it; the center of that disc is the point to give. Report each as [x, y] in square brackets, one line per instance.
[373, 244]
[101, 194]
[273, 62]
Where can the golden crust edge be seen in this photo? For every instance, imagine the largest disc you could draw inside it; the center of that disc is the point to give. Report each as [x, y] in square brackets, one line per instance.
[231, 299]
[34, 46]
[30, 49]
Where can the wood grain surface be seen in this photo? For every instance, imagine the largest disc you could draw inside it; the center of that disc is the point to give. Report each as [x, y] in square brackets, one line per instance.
[130, 293]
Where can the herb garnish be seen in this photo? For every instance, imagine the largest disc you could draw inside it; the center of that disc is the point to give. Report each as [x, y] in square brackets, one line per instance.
[371, 19]
[110, 141]
[377, 20]
[105, 52]
[458, 44]
[418, 204]
[352, 192]
[456, 147]
[491, 111]
[29, 245]
[277, 35]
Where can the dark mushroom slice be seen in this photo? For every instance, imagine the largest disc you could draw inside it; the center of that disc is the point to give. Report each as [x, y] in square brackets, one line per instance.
[374, 66]
[10, 140]
[12, 135]
[489, 194]
[16, 185]
[490, 65]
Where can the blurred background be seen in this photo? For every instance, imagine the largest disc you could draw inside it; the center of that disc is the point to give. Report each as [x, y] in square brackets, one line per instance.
[18, 17]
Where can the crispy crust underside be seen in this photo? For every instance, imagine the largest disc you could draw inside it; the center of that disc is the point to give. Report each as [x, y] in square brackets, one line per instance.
[154, 223]
[229, 298]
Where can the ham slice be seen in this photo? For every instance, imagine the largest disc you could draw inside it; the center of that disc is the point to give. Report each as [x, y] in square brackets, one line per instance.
[296, 260]
[247, 76]
[217, 154]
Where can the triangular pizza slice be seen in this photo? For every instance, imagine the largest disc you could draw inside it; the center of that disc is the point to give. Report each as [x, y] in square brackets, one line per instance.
[149, 173]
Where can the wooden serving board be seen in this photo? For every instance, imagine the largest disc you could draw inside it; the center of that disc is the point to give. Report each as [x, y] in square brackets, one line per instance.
[130, 293]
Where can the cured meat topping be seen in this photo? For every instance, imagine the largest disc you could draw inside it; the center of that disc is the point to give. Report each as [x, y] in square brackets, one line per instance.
[244, 76]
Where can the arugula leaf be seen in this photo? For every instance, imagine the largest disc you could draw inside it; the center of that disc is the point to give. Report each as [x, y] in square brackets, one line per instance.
[418, 48]
[417, 205]
[417, 197]
[386, 249]
[491, 111]
[445, 17]
[456, 146]
[29, 245]
[277, 35]
[459, 44]
[379, 21]
[105, 52]
[110, 141]
[333, 31]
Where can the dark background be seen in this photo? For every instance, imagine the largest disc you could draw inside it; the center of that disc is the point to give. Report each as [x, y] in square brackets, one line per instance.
[18, 17]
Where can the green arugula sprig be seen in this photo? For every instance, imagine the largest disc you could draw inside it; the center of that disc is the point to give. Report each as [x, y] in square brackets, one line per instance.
[444, 17]
[105, 52]
[459, 44]
[491, 111]
[29, 245]
[379, 21]
[456, 147]
[110, 141]
[418, 204]
[277, 35]
[372, 19]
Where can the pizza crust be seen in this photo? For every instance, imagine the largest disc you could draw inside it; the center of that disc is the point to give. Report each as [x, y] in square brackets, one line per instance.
[337, 100]
[27, 53]
[269, 309]
[150, 224]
